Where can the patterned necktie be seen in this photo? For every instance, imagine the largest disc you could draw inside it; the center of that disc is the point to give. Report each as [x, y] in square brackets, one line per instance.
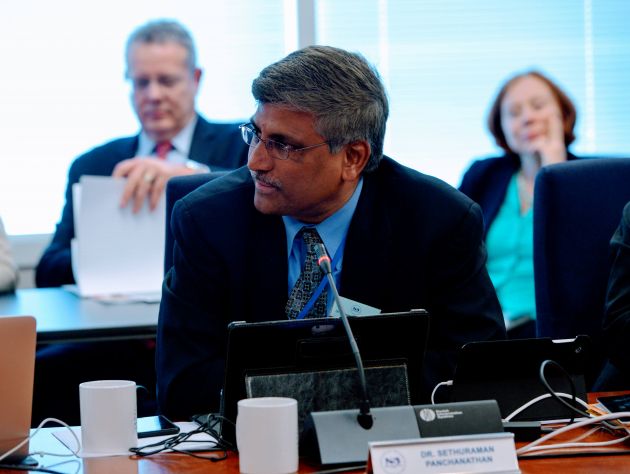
[162, 149]
[308, 281]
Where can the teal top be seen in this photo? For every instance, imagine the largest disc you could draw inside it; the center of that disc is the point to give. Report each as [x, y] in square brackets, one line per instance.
[510, 244]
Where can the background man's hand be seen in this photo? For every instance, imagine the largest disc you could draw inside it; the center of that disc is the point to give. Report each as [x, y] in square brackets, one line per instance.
[146, 178]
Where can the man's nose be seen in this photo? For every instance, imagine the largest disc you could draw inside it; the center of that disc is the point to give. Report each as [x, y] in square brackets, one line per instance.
[258, 158]
[153, 90]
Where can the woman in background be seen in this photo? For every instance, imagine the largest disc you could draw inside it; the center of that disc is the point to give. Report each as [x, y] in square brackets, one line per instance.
[532, 120]
[8, 270]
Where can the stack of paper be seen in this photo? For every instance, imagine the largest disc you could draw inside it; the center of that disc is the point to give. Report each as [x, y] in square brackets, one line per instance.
[116, 251]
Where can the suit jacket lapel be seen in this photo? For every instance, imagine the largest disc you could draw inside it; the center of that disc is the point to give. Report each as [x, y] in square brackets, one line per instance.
[365, 260]
[268, 256]
[202, 135]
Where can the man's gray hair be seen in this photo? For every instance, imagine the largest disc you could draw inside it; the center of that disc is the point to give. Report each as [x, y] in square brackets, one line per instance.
[342, 91]
[163, 31]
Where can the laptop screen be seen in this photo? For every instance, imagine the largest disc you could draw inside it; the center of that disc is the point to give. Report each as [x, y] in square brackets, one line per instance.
[311, 360]
[508, 372]
[17, 366]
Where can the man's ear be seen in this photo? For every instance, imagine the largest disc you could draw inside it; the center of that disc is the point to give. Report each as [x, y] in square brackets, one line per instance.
[356, 156]
[197, 76]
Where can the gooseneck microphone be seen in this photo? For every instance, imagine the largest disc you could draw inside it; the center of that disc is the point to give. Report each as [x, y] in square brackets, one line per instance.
[338, 437]
[364, 417]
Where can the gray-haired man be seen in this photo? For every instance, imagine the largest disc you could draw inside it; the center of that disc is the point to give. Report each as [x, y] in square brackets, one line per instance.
[399, 239]
[174, 139]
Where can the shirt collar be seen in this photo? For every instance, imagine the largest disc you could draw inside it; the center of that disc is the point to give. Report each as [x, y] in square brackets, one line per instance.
[181, 142]
[332, 230]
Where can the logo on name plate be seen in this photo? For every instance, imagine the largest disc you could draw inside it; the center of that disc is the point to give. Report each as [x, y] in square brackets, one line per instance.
[426, 414]
[393, 462]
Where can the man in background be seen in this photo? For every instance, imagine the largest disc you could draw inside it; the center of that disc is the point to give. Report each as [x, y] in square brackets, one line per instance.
[316, 173]
[174, 139]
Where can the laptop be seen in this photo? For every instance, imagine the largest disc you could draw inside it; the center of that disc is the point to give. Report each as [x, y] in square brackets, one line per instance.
[508, 372]
[311, 360]
[17, 366]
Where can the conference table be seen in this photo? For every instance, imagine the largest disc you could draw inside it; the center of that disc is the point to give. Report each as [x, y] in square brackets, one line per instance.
[180, 463]
[63, 316]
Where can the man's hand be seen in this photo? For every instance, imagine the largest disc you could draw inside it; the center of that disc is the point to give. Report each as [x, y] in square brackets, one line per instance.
[146, 178]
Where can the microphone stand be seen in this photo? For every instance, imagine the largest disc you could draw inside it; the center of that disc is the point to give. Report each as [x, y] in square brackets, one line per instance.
[364, 417]
[341, 436]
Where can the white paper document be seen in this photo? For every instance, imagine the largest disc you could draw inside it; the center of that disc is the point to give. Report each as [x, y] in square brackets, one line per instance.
[116, 252]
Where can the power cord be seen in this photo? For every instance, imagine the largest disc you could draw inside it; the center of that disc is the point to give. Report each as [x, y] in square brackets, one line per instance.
[446, 383]
[22, 467]
[75, 453]
[533, 401]
[535, 445]
[602, 420]
[552, 392]
[573, 407]
[210, 427]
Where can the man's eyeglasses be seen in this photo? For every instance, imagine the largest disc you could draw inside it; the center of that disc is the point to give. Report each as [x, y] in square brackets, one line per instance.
[277, 150]
[141, 84]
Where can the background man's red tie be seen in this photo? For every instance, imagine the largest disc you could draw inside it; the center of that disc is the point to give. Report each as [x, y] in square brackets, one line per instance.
[162, 149]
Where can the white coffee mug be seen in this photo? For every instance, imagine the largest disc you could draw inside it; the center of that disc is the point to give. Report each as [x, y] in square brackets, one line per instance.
[267, 435]
[108, 416]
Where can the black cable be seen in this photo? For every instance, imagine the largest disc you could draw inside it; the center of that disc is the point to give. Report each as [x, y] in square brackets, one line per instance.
[354, 467]
[572, 454]
[574, 407]
[553, 393]
[210, 427]
[22, 467]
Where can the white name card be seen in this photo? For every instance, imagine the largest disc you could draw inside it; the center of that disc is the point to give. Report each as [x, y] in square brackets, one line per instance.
[487, 453]
[353, 308]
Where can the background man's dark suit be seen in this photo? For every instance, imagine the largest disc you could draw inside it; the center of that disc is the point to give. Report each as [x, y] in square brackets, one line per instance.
[414, 242]
[219, 146]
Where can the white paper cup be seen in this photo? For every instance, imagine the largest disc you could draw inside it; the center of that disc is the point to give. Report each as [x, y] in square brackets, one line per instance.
[267, 435]
[108, 416]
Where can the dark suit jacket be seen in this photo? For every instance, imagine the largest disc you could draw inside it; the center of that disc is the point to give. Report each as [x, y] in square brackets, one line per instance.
[218, 145]
[414, 242]
[487, 180]
[617, 319]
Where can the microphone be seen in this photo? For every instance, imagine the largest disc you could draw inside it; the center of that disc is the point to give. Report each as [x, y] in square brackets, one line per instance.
[342, 437]
[364, 417]
[337, 437]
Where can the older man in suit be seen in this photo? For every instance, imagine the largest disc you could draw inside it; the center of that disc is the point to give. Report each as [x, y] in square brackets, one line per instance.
[174, 140]
[316, 173]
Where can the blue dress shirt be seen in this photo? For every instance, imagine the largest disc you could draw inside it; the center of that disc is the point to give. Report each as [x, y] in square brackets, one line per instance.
[332, 230]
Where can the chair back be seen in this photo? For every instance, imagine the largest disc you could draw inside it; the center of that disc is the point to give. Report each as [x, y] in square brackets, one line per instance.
[176, 188]
[577, 207]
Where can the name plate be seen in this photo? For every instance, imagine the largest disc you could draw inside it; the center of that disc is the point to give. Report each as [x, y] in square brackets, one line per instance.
[487, 453]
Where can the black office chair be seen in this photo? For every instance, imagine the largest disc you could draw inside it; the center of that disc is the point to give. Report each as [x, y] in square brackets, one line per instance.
[177, 188]
[577, 207]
